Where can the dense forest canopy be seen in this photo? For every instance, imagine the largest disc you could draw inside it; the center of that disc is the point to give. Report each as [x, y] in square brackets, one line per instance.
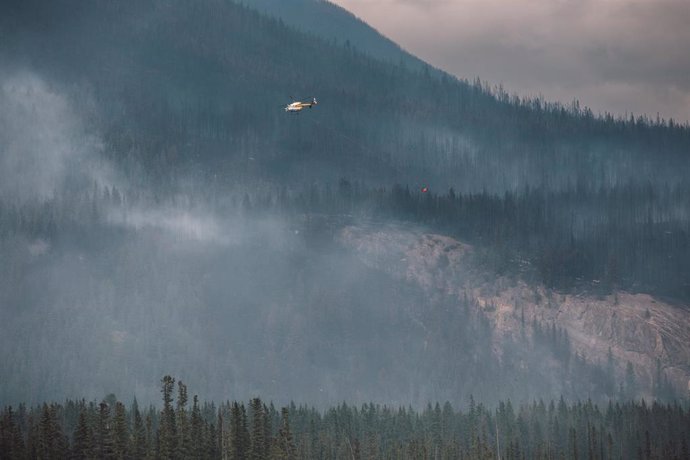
[160, 212]
[187, 428]
[204, 83]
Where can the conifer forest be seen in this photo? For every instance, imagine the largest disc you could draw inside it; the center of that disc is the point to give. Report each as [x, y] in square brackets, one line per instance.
[187, 428]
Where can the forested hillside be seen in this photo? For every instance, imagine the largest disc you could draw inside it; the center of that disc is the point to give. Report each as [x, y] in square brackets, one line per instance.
[252, 293]
[333, 23]
[203, 84]
[178, 91]
[160, 212]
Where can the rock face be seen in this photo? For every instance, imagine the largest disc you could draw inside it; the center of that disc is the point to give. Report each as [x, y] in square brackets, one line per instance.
[637, 328]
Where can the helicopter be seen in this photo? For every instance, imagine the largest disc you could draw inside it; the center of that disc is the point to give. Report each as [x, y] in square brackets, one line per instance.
[297, 106]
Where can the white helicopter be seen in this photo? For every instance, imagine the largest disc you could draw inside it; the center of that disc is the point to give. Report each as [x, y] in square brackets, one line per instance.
[297, 106]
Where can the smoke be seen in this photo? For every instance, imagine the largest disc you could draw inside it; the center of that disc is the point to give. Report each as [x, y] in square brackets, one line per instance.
[44, 144]
[200, 226]
[47, 146]
[112, 293]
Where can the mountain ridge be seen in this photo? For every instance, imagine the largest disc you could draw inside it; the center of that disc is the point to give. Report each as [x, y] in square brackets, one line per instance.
[332, 22]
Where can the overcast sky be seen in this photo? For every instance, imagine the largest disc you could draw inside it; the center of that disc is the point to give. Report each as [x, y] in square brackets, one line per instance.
[613, 55]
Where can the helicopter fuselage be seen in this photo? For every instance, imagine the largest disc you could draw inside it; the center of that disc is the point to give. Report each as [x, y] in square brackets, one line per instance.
[296, 107]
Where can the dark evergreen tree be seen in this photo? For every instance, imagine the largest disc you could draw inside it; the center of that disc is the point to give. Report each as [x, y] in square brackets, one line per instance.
[239, 435]
[168, 431]
[120, 432]
[284, 441]
[268, 414]
[198, 439]
[83, 442]
[11, 442]
[152, 441]
[182, 423]
[104, 444]
[257, 449]
[139, 439]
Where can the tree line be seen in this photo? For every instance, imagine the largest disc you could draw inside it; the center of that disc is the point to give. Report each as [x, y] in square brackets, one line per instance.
[181, 429]
[631, 237]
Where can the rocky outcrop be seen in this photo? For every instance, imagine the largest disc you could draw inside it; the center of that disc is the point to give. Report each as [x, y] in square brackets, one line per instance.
[637, 328]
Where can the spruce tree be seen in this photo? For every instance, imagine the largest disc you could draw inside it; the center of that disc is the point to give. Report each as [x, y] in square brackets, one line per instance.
[83, 438]
[120, 432]
[52, 442]
[11, 442]
[182, 423]
[152, 442]
[286, 447]
[33, 438]
[268, 429]
[257, 450]
[239, 436]
[222, 443]
[197, 431]
[167, 430]
[104, 436]
[139, 438]
[46, 435]
[211, 449]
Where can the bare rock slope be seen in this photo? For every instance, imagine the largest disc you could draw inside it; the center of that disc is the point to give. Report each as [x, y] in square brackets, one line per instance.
[637, 328]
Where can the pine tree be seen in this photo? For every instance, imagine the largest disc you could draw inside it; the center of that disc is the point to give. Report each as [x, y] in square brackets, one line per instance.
[11, 442]
[435, 427]
[257, 448]
[32, 438]
[286, 447]
[52, 442]
[151, 438]
[239, 436]
[182, 423]
[573, 443]
[46, 435]
[104, 436]
[167, 430]
[6, 423]
[83, 438]
[268, 429]
[120, 432]
[197, 431]
[211, 448]
[139, 439]
[223, 445]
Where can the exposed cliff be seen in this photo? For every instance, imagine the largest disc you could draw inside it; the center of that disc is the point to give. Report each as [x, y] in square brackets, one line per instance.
[637, 328]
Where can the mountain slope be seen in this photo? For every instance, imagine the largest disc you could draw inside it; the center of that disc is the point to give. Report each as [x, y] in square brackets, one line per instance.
[331, 22]
[165, 215]
[621, 329]
[209, 80]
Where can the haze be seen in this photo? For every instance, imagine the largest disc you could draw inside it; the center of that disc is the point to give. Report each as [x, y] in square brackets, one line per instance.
[413, 238]
[617, 56]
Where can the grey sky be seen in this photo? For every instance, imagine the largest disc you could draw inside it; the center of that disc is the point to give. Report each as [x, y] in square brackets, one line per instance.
[613, 55]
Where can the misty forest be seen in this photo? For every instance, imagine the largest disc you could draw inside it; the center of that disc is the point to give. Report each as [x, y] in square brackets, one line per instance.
[420, 266]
